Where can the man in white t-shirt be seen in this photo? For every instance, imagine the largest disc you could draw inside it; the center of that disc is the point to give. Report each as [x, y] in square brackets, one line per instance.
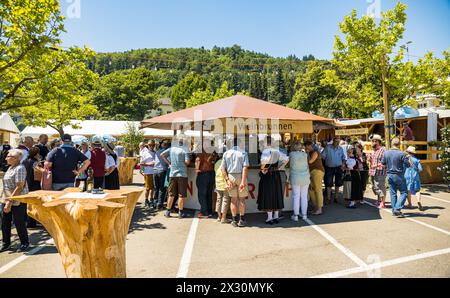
[147, 162]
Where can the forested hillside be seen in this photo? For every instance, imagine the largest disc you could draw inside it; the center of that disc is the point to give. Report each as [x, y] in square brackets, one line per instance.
[131, 81]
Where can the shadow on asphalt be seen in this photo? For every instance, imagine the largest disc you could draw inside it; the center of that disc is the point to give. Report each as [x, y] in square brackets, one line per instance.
[47, 250]
[432, 189]
[37, 237]
[142, 215]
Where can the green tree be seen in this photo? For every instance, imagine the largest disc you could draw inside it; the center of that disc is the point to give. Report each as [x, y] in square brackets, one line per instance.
[205, 96]
[224, 91]
[370, 75]
[64, 94]
[29, 33]
[445, 157]
[278, 88]
[186, 88]
[313, 96]
[126, 94]
[132, 138]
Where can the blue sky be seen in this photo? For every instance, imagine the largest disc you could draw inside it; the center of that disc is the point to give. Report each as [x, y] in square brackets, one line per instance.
[275, 27]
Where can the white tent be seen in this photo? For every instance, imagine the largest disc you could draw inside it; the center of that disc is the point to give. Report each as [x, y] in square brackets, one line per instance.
[8, 130]
[90, 128]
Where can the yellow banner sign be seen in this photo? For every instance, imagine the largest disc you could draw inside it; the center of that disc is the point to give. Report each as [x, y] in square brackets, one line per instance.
[352, 132]
[253, 126]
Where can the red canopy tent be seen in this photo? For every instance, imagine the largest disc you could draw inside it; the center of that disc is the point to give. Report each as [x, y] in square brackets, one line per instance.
[239, 106]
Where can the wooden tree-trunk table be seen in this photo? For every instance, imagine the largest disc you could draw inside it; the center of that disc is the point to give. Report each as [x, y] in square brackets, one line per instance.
[89, 233]
[126, 170]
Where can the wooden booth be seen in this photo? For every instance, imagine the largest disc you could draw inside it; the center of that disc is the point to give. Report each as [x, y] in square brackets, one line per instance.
[426, 127]
[243, 116]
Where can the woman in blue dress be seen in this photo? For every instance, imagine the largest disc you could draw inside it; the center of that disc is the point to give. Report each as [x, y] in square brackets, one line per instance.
[412, 176]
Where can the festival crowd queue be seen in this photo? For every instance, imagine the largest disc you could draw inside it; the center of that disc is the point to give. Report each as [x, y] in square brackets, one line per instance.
[56, 166]
[164, 166]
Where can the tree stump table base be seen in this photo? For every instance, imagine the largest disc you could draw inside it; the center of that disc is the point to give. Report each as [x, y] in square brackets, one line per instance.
[90, 234]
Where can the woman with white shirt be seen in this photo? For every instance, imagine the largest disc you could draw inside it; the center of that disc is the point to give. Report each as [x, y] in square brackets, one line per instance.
[270, 191]
[111, 168]
[299, 179]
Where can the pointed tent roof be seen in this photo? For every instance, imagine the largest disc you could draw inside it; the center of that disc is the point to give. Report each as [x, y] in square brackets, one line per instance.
[238, 106]
[7, 124]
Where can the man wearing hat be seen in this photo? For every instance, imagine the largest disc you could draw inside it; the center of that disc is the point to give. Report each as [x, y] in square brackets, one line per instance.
[63, 161]
[147, 164]
[98, 162]
[377, 171]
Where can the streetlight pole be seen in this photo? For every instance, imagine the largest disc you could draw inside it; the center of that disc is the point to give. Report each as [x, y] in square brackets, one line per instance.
[406, 47]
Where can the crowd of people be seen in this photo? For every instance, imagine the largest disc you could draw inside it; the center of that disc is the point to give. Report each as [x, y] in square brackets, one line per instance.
[164, 166]
[56, 166]
[335, 164]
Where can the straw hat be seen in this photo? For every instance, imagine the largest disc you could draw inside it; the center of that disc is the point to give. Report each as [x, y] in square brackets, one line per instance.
[377, 138]
[411, 149]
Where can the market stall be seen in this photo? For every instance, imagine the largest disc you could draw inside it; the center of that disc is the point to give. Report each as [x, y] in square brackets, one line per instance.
[426, 125]
[243, 116]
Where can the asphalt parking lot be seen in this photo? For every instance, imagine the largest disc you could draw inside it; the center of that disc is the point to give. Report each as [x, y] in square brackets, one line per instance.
[366, 242]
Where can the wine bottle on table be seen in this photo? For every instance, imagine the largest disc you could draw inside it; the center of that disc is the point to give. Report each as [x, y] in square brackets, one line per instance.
[90, 181]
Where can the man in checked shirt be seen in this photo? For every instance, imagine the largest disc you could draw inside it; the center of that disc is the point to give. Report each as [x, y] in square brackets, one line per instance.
[377, 171]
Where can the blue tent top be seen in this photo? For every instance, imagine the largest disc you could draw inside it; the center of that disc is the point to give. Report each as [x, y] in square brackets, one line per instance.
[402, 113]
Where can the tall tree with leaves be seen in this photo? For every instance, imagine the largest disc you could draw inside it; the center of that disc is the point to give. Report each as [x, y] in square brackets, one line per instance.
[186, 88]
[313, 96]
[29, 34]
[205, 96]
[126, 94]
[64, 93]
[370, 75]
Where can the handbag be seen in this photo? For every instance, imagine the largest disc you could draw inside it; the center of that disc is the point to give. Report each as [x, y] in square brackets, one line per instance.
[47, 180]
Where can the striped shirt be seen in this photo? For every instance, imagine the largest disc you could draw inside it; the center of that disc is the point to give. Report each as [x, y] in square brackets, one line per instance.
[376, 168]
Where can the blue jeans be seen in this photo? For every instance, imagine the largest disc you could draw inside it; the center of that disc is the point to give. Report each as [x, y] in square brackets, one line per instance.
[397, 183]
[205, 187]
[61, 186]
[160, 188]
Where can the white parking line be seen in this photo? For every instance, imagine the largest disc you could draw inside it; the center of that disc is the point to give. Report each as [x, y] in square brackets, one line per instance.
[413, 220]
[434, 198]
[339, 246]
[183, 270]
[384, 264]
[22, 258]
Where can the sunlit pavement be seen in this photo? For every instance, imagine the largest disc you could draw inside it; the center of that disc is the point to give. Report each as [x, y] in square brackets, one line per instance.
[366, 242]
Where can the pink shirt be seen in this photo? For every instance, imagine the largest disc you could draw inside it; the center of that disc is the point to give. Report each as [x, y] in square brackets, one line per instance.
[408, 134]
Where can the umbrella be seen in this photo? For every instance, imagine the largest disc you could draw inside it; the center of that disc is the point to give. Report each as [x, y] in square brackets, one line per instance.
[78, 139]
[107, 138]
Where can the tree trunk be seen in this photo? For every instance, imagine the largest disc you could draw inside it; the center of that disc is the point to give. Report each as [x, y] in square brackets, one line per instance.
[90, 234]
